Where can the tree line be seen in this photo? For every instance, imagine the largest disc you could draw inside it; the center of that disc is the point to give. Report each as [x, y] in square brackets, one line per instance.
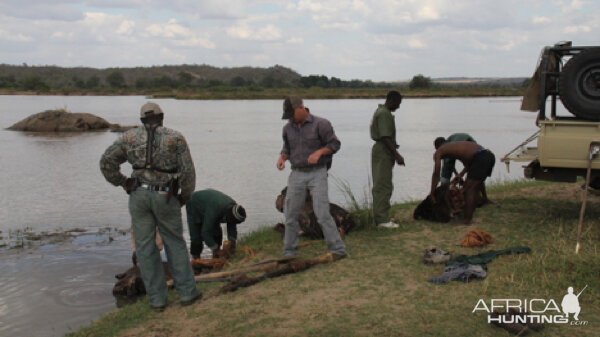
[125, 80]
[183, 80]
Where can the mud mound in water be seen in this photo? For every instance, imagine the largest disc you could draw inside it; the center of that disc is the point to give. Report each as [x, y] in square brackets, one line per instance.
[64, 121]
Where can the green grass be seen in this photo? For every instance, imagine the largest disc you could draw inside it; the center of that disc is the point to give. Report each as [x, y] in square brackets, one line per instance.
[381, 289]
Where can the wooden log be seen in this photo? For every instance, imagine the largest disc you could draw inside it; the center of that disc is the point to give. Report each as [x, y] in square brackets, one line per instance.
[263, 266]
[293, 266]
[250, 269]
[240, 281]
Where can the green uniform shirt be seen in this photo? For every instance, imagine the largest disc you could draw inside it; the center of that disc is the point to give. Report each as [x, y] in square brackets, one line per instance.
[383, 124]
[448, 164]
[205, 211]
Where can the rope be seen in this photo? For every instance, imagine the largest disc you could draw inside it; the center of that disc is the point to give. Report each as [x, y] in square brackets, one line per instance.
[476, 237]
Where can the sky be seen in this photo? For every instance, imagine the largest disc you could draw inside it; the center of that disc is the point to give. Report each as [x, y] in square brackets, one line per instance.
[379, 40]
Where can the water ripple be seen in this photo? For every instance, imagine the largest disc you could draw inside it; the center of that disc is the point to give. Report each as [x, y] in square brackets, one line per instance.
[79, 295]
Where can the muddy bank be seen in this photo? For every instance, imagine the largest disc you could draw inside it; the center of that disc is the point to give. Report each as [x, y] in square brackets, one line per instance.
[64, 121]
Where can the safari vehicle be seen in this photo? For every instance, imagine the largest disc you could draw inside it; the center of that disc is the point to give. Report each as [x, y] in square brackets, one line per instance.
[566, 145]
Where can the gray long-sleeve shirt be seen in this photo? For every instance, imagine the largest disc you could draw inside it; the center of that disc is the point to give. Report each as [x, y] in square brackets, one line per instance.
[299, 142]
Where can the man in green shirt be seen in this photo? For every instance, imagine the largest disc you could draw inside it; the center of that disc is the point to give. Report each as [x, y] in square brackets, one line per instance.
[206, 210]
[383, 156]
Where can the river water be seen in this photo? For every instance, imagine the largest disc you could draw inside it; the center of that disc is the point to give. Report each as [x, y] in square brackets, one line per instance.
[52, 183]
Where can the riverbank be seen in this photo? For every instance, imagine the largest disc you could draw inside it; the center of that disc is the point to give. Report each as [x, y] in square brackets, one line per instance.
[242, 93]
[382, 288]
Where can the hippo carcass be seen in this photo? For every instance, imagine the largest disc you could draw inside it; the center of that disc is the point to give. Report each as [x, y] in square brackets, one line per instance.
[308, 220]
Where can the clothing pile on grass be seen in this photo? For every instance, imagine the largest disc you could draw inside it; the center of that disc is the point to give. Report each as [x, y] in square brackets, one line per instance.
[468, 267]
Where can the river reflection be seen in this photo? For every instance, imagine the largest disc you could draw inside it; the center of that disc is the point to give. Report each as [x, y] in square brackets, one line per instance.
[52, 182]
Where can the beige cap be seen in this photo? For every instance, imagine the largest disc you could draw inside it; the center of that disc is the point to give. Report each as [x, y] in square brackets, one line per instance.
[150, 109]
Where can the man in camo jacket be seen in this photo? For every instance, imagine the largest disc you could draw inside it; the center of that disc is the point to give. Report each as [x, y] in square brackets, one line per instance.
[161, 164]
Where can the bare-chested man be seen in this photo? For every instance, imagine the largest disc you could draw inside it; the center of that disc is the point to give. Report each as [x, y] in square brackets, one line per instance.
[477, 161]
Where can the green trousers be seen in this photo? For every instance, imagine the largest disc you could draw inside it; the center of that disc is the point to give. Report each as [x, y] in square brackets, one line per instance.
[382, 164]
[149, 209]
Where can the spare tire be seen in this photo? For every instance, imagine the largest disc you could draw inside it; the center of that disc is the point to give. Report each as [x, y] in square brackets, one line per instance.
[579, 84]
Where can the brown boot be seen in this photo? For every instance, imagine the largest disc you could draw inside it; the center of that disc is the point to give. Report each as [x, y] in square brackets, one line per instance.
[436, 255]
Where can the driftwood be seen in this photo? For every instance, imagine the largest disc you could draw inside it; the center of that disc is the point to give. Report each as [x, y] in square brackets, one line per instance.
[308, 221]
[282, 268]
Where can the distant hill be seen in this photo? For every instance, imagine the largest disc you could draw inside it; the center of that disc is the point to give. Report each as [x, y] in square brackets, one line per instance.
[56, 77]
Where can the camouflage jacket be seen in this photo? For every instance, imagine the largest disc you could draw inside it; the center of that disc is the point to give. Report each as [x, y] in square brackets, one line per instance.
[170, 158]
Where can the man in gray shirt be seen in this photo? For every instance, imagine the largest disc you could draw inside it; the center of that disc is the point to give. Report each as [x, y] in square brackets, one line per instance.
[309, 143]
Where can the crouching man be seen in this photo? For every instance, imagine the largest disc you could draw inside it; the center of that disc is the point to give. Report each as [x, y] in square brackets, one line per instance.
[206, 210]
[478, 162]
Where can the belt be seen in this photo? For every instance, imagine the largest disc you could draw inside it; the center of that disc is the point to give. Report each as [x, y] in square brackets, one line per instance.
[308, 168]
[154, 187]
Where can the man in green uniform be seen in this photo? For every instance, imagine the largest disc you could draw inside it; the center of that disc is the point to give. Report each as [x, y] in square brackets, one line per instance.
[206, 210]
[383, 156]
[161, 162]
